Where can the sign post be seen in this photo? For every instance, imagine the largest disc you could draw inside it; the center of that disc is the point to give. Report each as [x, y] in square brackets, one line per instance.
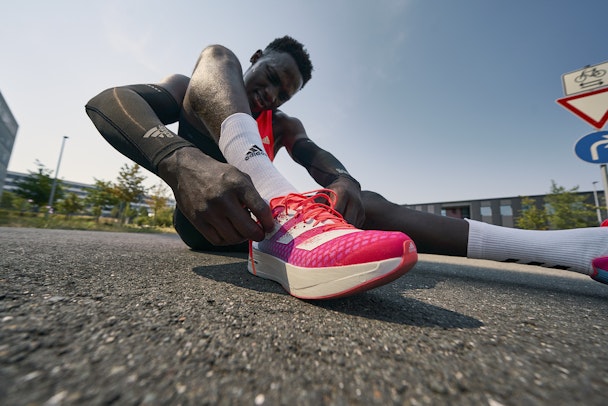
[604, 173]
[586, 92]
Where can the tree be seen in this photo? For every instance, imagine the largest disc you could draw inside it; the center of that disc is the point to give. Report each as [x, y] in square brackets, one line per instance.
[567, 209]
[12, 201]
[37, 186]
[129, 188]
[9, 200]
[142, 217]
[72, 204]
[531, 216]
[164, 217]
[102, 195]
[158, 200]
[564, 209]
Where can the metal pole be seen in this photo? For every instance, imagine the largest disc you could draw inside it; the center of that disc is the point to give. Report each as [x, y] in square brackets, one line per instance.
[605, 179]
[52, 197]
[597, 204]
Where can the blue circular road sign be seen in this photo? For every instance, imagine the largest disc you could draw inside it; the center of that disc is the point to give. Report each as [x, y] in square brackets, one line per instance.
[593, 148]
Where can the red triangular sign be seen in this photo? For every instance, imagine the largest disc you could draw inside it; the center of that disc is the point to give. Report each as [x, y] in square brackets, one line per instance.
[591, 106]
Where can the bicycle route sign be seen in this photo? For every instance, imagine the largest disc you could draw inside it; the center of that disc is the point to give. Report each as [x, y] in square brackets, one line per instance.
[593, 148]
[586, 92]
[585, 80]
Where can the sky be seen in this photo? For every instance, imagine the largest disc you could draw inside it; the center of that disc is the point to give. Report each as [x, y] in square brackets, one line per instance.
[422, 100]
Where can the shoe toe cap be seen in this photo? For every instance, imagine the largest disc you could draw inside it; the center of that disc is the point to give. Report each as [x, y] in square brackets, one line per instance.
[379, 246]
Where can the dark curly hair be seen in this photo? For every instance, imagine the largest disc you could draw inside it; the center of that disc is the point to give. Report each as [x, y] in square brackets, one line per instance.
[294, 48]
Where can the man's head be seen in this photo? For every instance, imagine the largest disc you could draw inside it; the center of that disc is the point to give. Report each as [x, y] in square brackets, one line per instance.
[276, 74]
[297, 51]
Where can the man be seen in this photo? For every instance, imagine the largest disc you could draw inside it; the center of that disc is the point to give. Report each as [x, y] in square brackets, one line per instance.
[216, 200]
[302, 243]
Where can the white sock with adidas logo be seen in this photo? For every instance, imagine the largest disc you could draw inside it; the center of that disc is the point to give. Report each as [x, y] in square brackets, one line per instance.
[242, 147]
[571, 250]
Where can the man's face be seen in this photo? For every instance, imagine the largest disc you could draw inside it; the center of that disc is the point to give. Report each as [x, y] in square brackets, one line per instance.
[272, 79]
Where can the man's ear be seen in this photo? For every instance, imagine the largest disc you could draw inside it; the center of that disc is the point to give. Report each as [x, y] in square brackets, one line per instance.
[254, 58]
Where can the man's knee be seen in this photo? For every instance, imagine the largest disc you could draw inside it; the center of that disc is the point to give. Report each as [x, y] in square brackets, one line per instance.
[216, 54]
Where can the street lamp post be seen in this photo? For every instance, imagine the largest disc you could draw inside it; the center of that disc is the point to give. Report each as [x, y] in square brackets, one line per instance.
[54, 187]
[597, 204]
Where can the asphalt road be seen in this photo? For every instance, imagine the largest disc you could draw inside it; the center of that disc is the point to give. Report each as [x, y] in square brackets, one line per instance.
[101, 318]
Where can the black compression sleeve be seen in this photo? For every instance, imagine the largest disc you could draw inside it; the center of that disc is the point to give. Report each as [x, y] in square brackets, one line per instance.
[132, 120]
[323, 166]
[160, 100]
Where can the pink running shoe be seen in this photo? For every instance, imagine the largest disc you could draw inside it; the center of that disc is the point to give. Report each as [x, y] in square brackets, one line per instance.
[315, 254]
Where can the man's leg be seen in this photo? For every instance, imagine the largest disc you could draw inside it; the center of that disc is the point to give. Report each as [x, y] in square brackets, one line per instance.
[432, 234]
[217, 96]
[582, 250]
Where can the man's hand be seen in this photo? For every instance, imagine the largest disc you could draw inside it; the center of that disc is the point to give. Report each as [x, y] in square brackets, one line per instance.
[349, 202]
[217, 198]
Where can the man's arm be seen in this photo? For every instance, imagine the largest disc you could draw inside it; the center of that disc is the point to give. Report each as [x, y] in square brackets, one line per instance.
[213, 196]
[323, 167]
[132, 119]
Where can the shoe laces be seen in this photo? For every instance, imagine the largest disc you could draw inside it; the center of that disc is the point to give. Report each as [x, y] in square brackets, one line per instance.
[317, 205]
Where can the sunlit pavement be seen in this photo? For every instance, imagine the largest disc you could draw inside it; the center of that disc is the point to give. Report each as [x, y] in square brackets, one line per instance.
[98, 318]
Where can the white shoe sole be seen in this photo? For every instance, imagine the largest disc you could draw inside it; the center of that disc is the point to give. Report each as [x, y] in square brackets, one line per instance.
[331, 282]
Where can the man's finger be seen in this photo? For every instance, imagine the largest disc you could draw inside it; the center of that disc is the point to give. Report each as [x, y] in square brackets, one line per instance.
[247, 227]
[260, 209]
[243, 224]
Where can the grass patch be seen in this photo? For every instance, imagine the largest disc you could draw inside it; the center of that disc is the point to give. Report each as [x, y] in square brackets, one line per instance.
[9, 218]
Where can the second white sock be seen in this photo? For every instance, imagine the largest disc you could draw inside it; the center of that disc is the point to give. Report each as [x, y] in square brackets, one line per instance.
[565, 249]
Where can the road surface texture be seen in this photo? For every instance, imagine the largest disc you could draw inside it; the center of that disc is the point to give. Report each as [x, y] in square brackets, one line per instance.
[97, 318]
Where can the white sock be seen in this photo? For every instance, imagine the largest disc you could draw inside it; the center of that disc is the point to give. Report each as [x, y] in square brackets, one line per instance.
[571, 250]
[242, 147]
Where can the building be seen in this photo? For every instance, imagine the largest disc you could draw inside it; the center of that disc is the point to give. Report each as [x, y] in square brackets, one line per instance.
[501, 211]
[80, 189]
[8, 132]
